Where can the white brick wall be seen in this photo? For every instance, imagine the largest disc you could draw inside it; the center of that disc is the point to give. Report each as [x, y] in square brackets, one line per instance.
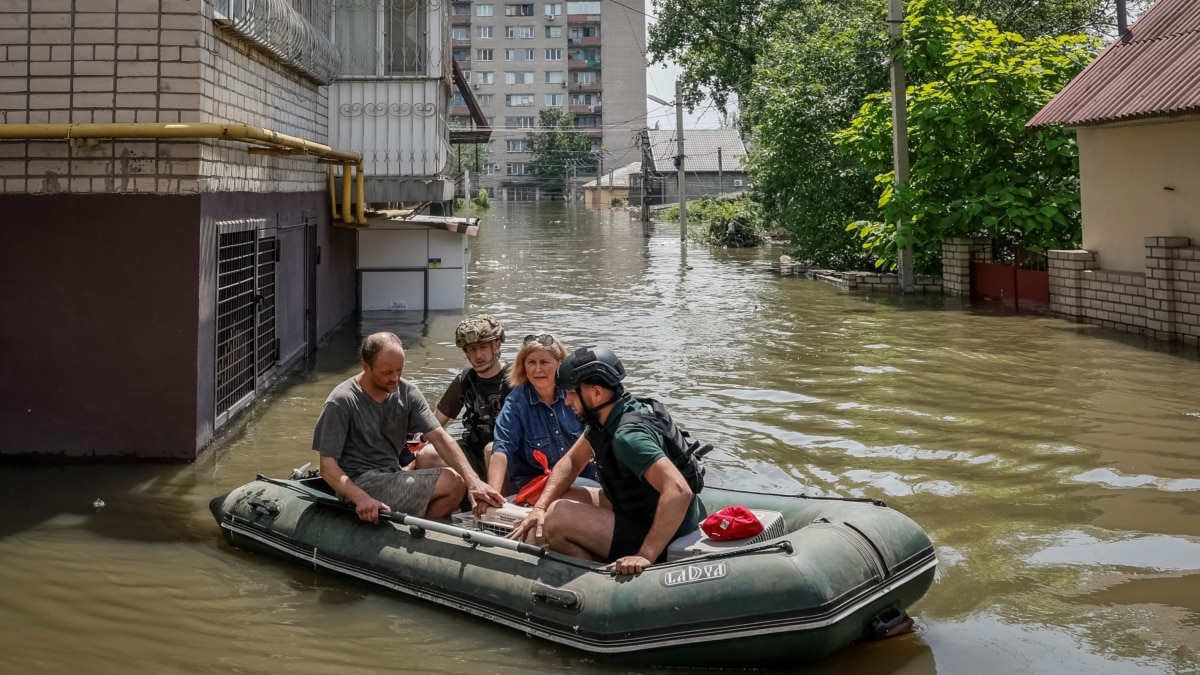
[135, 61]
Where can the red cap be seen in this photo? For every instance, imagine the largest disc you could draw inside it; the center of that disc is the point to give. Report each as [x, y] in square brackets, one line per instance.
[732, 522]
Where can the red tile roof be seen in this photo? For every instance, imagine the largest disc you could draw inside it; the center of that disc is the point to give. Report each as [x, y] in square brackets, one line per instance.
[1153, 70]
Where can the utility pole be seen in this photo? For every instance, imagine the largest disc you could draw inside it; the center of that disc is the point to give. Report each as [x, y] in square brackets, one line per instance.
[679, 158]
[566, 181]
[900, 129]
[720, 175]
[467, 191]
[599, 175]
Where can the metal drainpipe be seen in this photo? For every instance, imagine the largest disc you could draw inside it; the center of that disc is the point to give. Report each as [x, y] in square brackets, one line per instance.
[265, 140]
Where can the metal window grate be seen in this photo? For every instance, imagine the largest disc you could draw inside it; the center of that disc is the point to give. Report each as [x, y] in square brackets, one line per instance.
[235, 318]
[267, 345]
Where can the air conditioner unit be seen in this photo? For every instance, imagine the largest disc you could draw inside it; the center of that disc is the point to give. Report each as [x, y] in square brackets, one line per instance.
[737, 182]
[475, 86]
[564, 84]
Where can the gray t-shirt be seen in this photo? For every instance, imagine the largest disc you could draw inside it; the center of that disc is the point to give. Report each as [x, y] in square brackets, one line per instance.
[363, 434]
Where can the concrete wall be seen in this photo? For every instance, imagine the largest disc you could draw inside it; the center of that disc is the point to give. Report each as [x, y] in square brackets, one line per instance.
[1138, 181]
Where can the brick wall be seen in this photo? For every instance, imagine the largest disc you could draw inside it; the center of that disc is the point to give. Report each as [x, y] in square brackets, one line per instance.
[956, 263]
[134, 61]
[1163, 302]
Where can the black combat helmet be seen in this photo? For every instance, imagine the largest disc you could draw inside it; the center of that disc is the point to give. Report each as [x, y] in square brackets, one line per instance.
[590, 365]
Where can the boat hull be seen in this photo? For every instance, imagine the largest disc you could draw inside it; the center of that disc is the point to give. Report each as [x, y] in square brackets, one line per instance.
[824, 585]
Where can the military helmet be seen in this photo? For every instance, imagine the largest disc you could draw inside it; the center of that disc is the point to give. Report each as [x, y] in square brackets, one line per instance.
[594, 364]
[478, 328]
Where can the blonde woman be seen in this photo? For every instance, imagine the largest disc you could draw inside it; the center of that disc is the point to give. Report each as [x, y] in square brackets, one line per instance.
[535, 417]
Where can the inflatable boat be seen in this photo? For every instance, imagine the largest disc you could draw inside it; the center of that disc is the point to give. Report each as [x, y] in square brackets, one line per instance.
[824, 573]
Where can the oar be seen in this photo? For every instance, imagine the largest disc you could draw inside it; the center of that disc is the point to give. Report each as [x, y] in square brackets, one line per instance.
[469, 536]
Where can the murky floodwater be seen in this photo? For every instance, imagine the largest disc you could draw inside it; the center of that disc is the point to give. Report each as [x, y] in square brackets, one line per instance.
[1056, 466]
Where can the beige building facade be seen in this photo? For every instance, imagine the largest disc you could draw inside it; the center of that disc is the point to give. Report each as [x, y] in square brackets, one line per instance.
[582, 57]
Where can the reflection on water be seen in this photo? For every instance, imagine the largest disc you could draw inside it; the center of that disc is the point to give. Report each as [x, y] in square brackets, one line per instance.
[1055, 466]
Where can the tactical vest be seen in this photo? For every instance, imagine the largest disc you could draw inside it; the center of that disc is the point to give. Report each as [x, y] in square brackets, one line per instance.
[629, 494]
[479, 420]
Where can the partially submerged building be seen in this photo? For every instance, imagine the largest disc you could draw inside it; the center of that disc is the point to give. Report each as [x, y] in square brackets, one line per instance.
[172, 180]
[1136, 114]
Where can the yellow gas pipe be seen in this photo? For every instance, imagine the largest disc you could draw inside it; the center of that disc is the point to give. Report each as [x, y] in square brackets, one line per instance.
[265, 140]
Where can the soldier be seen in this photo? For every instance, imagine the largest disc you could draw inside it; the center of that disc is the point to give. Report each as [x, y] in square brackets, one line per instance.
[477, 392]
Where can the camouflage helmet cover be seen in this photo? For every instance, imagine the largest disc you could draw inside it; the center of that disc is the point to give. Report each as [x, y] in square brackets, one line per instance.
[478, 328]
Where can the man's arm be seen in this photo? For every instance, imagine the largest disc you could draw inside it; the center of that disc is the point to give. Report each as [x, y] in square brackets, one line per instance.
[674, 498]
[365, 505]
[564, 473]
[453, 456]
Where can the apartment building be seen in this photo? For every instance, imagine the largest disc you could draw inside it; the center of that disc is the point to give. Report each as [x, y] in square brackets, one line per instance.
[182, 195]
[586, 58]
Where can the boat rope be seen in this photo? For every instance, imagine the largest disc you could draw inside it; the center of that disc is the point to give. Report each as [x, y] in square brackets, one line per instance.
[864, 500]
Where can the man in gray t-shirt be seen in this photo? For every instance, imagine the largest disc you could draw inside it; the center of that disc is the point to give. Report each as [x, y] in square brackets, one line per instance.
[361, 439]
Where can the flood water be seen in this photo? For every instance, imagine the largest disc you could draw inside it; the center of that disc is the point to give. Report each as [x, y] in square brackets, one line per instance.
[1056, 467]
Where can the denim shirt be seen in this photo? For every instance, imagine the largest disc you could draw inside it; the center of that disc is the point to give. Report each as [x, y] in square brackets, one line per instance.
[526, 424]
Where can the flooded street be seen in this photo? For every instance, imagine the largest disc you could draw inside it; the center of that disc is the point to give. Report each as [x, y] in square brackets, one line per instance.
[1056, 467]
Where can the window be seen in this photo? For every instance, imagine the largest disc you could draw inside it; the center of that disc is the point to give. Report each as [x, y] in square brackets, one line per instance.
[483, 10]
[554, 77]
[484, 77]
[554, 55]
[485, 100]
[590, 7]
[517, 169]
[519, 10]
[461, 55]
[584, 77]
[457, 33]
[519, 122]
[524, 77]
[518, 100]
[518, 146]
[554, 9]
[461, 10]
[483, 32]
[382, 38]
[554, 31]
[483, 54]
[456, 99]
[518, 54]
[518, 32]
[586, 122]
[554, 100]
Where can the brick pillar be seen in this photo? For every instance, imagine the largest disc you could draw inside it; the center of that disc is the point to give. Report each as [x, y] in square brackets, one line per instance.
[1160, 285]
[956, 263]
[1066, 270]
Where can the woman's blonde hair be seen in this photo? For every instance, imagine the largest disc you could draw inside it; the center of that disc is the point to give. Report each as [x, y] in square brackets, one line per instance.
[531, 343]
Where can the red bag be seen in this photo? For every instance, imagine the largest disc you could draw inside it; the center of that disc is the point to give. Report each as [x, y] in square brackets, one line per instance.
[533, 489]
[732, 522]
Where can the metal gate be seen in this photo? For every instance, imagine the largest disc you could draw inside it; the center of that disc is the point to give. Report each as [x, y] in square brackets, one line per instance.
[1014, 277]
[246, 349]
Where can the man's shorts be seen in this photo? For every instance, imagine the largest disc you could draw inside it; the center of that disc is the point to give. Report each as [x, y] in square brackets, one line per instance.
[408, 492]
[627, 538]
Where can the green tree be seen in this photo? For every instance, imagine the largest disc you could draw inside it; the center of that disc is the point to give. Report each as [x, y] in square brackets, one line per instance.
[819, 65]
[556, 147]
[975, 168]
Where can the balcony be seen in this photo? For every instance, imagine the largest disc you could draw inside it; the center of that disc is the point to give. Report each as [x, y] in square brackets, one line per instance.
[590, 41]
[583, 18]
[461, 42]
[577, 109]
[460, 19]
[590, 86]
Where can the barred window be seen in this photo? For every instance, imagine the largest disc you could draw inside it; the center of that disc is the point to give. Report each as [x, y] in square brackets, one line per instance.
[382, 38]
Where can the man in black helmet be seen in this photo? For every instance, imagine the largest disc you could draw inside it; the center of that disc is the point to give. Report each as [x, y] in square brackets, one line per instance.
[479, 390]
[649, 478]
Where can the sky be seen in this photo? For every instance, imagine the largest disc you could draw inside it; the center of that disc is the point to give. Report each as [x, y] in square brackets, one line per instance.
[660, 82]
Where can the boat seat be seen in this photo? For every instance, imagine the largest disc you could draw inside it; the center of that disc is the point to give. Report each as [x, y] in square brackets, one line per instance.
[695, 543]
